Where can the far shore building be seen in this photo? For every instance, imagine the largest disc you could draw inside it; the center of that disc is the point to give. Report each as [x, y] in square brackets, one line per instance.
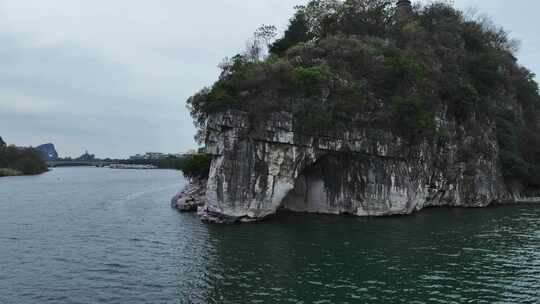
[154, 156]
[86, 157]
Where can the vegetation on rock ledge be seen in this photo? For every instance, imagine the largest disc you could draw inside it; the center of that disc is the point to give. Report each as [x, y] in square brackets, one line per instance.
[196, 166]
[344, 63]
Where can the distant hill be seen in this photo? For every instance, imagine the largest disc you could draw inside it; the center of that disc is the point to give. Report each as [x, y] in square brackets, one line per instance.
[48, 152]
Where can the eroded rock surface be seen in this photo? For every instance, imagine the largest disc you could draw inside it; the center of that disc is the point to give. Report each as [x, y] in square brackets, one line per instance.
[191, 197]
[260, 168]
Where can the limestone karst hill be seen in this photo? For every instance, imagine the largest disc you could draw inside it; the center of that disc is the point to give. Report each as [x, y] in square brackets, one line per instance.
[361, 109]
[48, 152]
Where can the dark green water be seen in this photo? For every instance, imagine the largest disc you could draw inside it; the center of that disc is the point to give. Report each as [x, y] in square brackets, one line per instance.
[87, 235]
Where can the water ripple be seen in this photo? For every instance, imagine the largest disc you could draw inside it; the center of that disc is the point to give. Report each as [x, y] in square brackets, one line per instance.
[104, 236]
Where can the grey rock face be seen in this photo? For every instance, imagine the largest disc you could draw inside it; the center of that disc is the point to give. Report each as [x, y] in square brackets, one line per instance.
[258, 169]
[191, 198]
[48, 152]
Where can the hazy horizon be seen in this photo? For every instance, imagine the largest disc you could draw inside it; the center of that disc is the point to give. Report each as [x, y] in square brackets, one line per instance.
[112, 77]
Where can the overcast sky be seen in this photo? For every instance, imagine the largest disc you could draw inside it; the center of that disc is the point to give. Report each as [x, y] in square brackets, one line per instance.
[112, 76]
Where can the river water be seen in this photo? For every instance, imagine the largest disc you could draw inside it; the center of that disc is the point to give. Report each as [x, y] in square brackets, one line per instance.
[89, 235]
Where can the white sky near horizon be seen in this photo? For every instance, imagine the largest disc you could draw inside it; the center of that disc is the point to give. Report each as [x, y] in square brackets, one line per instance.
[112, 77]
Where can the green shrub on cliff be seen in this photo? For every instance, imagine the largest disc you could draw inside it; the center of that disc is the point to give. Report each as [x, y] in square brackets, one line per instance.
[297, 32]
[342, 63]
[412, 118]
[307, 77]
[196, 166]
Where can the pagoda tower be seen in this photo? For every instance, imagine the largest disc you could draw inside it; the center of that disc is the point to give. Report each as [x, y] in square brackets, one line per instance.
[404, 11]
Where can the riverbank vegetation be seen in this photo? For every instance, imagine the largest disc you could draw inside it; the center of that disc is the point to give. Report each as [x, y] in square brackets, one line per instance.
[9, 172]
[344, 63]
[192, 166]
[20, 161]
[196, 166]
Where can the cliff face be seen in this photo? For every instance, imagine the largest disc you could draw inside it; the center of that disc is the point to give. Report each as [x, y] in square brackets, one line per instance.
[48, 152]
[258, 168]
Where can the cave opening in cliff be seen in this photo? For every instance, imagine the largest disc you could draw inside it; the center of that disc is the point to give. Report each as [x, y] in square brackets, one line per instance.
[329, 186]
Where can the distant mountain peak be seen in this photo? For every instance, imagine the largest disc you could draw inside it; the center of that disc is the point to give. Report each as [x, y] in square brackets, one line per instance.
[48, 151]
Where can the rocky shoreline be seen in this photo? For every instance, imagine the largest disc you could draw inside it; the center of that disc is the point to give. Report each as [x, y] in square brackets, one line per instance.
[191, 197]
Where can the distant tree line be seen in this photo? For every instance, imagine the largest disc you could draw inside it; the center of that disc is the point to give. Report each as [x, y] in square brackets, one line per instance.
[20, 161]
